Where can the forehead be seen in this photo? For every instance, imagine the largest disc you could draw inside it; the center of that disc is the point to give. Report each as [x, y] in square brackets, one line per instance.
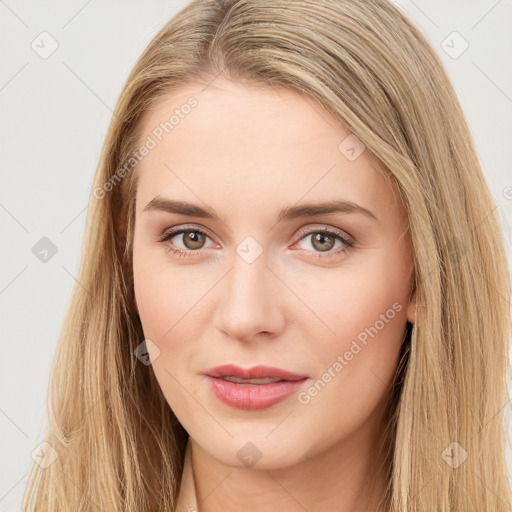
[260, 145]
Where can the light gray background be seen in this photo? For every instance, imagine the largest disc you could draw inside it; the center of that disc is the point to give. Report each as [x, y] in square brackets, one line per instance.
[54, 116]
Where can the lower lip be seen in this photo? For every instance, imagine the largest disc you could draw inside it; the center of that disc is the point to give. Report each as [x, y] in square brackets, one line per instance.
[253, 396]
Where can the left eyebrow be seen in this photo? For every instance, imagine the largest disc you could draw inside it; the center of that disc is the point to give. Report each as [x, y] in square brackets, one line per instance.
[288, 213]
[314, 209]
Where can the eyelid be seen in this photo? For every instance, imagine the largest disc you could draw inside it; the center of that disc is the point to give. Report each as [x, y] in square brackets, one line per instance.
[324, 227]
[176, 230]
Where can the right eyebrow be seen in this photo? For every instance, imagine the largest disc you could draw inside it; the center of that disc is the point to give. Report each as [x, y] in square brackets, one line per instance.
[181, 207]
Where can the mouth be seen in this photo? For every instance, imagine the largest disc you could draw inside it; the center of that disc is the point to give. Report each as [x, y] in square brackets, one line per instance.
[253, 389]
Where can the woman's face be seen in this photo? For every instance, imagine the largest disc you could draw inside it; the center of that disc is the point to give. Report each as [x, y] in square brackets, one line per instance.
[256, 280]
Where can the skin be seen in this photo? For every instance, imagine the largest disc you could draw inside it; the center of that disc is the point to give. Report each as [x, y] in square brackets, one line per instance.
[247, 153]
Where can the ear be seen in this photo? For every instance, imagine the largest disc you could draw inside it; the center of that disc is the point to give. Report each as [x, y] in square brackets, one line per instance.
[411, 308]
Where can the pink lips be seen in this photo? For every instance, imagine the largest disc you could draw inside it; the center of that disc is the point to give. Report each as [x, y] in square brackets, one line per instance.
[251, 396]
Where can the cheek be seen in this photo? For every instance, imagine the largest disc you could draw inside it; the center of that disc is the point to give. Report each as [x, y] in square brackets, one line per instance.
[366, 312]
[174, 308]
[164, 300]
[154, 301]
[354, 302]
[162, 295]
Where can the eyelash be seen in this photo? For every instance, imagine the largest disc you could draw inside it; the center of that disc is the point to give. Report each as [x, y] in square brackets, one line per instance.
[349, 243]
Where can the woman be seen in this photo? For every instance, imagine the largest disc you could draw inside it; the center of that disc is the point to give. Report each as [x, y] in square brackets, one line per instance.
[293, 293]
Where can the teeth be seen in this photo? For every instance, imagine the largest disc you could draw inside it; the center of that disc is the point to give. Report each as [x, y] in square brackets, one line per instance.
[267, 380]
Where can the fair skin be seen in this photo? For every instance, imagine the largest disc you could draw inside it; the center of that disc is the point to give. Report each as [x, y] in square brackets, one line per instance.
[247, 153]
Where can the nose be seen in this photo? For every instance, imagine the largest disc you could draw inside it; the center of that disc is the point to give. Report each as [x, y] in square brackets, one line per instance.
[250, 301]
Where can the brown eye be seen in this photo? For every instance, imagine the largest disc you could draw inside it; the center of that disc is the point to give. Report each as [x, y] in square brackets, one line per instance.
[326, 242]
[186, 241]
[323, 241]
[193, 239]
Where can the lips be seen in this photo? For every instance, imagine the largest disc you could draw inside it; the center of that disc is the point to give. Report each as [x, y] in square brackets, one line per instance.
[254, 388]
[256, 373]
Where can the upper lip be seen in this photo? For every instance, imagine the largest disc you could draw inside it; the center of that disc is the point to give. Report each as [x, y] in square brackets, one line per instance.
[256, 372]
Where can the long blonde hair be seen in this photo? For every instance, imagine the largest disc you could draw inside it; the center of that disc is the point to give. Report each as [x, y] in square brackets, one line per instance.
[116, 443]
